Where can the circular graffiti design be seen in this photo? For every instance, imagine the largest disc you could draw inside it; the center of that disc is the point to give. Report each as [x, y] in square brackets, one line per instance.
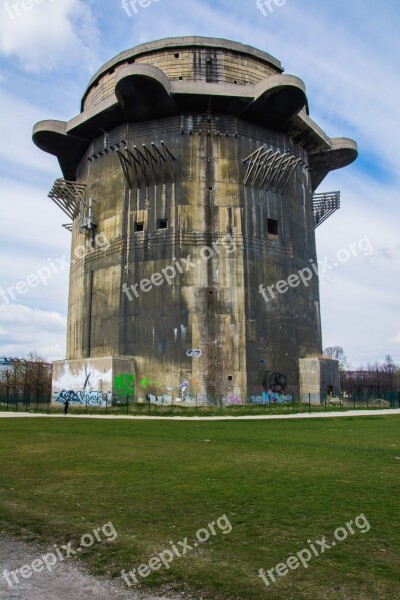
[277, 382]
[193, 353]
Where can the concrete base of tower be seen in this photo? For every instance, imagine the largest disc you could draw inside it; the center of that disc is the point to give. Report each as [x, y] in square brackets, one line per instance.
[318, 377]
[93, 381]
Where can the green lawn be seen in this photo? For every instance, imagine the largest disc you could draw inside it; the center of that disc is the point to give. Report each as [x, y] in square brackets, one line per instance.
[280, 483]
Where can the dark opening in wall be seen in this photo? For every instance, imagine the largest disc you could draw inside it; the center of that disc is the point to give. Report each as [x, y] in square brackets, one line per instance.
[272, 227]
[176, 55]
[139, 226]
[230, 377]
[162, 223]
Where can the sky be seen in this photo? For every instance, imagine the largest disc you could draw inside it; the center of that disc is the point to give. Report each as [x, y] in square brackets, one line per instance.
[348, 55]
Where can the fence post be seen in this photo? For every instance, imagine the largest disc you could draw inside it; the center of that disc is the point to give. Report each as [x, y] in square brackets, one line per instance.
[325, 400]
[148, 398]
[196, 405]
[48, 405]
[293, 403]
[309, 402]
[16, 404]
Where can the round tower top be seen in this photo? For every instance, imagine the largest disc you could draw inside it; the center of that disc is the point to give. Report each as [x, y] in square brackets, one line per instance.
[189, 58]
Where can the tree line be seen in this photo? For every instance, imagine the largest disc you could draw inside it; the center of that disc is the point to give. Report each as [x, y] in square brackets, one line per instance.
[371, 379]
[28, 378]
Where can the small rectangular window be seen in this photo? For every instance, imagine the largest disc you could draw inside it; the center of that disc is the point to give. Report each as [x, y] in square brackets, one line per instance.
[177, 55]
[272, 227]
[139, 226]
[162, 224]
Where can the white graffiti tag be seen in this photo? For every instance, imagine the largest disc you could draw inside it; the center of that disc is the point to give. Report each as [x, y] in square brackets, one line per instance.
[194, 353]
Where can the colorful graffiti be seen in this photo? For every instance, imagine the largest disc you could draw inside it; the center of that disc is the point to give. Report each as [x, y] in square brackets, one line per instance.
[271, 397]
[124, 384]
[233, 400]
[83, 398]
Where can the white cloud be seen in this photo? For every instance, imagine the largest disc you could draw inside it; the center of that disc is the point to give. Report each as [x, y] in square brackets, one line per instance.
[21, 151]
[48, 34]
[359, 299]
[23, 329]
[30, 220]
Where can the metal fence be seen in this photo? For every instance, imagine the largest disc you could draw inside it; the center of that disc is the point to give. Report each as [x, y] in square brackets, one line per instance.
[246, 404]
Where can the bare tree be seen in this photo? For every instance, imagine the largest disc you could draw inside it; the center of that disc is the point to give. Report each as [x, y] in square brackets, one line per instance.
[390, 368]
[337, 353]
[27, 378]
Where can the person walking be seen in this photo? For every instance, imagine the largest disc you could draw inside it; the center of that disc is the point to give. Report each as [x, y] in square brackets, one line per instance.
[66, 406]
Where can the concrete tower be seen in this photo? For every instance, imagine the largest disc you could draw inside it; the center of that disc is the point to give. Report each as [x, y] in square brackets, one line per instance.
[189, 178]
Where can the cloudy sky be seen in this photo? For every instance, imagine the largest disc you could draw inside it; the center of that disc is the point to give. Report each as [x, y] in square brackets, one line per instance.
[348, 55]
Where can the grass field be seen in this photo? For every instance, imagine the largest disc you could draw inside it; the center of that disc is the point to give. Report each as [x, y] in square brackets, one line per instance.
[280, 483]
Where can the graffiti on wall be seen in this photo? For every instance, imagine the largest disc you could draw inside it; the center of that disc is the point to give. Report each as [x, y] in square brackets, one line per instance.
[271, 397]
[233, 400]
[124, 384]
[84, 398]
[163, 400]
[194, 353]
[166, 400]
[277, 382]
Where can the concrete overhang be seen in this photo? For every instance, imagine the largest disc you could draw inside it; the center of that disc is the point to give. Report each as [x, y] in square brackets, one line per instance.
[144, 92]
[276, 100]
[343, 152]
[52, 137]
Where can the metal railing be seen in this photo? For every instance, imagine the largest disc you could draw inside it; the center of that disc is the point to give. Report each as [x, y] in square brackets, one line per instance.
[246, 404]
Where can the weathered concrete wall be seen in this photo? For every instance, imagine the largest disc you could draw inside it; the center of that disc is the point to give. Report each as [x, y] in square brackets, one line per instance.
[214, 306]
[318, 376]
